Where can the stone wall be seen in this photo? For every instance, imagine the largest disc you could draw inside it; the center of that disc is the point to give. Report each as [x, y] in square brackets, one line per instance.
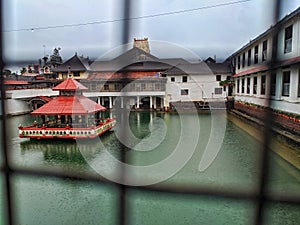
[286, 121]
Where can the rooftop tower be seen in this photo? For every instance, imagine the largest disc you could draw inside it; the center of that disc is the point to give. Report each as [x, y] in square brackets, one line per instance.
[142, 44]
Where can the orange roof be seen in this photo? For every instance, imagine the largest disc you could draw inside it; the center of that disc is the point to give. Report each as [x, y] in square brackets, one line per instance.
[70, 84]
[119, 75]
[69, 105]
[254, 70]
[15, 82]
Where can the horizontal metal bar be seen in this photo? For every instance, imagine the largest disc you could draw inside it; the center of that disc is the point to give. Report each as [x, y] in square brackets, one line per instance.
[163, 187]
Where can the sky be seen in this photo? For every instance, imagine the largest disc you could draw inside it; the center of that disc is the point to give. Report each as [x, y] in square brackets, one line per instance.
[215, 28]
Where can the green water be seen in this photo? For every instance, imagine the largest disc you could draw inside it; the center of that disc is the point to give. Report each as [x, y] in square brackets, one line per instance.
[40, 200]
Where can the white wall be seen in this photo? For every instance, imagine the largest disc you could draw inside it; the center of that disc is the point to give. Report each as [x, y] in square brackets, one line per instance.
[200, 87]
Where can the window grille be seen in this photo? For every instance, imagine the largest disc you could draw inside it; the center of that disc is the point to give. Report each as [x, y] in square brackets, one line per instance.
[261, 198]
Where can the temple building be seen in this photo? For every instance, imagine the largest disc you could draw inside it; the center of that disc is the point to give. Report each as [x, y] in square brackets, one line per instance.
[137, 79]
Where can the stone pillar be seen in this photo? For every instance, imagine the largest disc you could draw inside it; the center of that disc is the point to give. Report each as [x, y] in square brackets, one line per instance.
[154, 102]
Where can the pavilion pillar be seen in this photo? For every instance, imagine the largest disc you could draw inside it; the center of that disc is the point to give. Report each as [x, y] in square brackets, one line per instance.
[154, 102]
[98, 100]
[162, 102]
[102, 101]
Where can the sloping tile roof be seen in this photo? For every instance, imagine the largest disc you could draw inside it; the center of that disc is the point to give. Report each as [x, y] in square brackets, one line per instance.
[130, 57]
[75, 63]
[222, 68]
[200, 68]
[69, 84]
[135, 54]
[100, 76]
[69, 105]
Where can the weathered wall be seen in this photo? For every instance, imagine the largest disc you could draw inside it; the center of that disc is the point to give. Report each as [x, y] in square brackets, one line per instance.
[16, 107]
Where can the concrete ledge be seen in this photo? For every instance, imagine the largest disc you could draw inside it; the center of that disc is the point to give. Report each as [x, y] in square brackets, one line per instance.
[283, 143]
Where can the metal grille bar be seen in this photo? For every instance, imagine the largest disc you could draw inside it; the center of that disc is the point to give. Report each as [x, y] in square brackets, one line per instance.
[260, 198]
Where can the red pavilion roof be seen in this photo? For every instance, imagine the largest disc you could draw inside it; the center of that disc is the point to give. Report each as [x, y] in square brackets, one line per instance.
[70, 84]
[69, 105]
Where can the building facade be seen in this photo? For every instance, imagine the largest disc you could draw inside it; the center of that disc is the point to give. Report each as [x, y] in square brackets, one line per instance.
[255, 83]
[197, 82]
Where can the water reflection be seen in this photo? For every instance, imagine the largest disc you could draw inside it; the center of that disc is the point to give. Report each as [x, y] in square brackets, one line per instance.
[59, 152]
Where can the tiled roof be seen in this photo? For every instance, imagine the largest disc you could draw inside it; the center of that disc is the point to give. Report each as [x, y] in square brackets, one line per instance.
[15, 82]
[118, 76]
[253, 70]
[200, 68]
[126, 59]
[69, 105]
[70, 84]
[75, 63]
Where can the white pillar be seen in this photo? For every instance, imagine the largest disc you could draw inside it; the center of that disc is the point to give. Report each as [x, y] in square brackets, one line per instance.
[98, 100]
[162, 102]
[294, 83]
[137, 102]
[102, 100]
[154, 102]
[110, 102]
[122, 103]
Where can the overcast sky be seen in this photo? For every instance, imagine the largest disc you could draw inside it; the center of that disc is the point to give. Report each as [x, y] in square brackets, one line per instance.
[219, 30]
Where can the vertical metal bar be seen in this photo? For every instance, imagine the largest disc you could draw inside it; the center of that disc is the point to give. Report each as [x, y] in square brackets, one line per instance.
[123, 204]
[8, 196]
[268, 123]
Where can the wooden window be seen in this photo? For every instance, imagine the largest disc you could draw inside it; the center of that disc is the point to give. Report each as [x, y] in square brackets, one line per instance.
[263, 85]
[264, 51]
[184, 79]
[218, 91]
[249, 57]
[288, 37]
[239, 62]
[143, 86]
[157, 86]
[256, 54]
[255, 85]
[243, 85]
[218, 77]
[248, 85]
[172, 79]
[273, 85]
[286, 83]
[76, 74]
[184, 91]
